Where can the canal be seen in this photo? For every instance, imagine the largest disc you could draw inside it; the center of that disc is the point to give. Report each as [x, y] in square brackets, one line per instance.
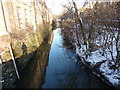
[63, 71]
[56, 66]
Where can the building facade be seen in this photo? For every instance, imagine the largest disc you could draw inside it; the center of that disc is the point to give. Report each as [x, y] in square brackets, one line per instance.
[19, 15]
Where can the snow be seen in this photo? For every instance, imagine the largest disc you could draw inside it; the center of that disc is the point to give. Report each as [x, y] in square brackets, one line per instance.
[105, 27]
[113, 76]
[95, 58]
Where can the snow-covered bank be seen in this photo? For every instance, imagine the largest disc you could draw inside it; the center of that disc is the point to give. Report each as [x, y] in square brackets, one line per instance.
[96, 38]
[100, 66]
[101, 58]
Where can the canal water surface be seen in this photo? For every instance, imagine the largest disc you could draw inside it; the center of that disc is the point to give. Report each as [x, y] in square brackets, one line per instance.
[58, 69]
[63, 71]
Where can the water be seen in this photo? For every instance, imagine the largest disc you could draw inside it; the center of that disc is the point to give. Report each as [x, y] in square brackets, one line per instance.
[54, 66]
[34, 73]
[63, 70]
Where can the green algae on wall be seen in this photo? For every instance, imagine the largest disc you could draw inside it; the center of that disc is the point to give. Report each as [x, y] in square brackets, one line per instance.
[28, 42]
[40, 55]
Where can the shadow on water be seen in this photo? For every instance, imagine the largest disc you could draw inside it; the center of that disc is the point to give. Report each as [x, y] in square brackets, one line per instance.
[31, 71]
[33, 75]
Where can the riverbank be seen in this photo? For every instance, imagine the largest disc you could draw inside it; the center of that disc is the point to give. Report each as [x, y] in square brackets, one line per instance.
[32, 76]
[100, 66]
[95, 39]
[98, 74]
[23, 52]
[97, 63]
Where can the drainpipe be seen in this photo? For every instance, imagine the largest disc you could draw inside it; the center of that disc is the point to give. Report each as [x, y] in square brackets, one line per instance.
[13, 59]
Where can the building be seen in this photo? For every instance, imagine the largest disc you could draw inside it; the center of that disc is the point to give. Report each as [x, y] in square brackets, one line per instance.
[21, 16]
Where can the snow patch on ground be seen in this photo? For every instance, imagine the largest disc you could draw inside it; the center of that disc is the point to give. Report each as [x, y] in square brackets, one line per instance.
[95, 57]
[112, 75]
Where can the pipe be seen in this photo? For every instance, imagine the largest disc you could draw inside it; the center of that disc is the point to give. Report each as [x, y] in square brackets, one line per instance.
[11, 52]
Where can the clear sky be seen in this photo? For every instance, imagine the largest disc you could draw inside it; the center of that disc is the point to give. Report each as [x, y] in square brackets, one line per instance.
[56, 5]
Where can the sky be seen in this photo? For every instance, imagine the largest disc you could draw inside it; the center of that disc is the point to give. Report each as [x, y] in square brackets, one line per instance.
[56, 5]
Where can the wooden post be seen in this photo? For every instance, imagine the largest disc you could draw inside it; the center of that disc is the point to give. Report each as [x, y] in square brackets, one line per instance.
[11, 52]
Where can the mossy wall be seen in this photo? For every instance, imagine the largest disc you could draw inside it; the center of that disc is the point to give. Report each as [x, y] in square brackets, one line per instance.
[30, 48]
[25, 45]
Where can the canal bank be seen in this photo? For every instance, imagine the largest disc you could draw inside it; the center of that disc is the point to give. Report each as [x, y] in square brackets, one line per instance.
[8, 71]
[65, 71]
[33, 75]
[56, 66]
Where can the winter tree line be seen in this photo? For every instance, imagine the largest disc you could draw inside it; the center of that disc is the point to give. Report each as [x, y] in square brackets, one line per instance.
[94, 28]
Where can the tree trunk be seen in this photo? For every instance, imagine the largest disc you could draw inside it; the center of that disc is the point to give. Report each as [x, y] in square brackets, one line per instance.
[80, 21]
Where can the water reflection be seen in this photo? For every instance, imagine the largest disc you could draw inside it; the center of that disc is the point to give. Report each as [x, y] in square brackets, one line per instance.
[33, 75]
[62, 70]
